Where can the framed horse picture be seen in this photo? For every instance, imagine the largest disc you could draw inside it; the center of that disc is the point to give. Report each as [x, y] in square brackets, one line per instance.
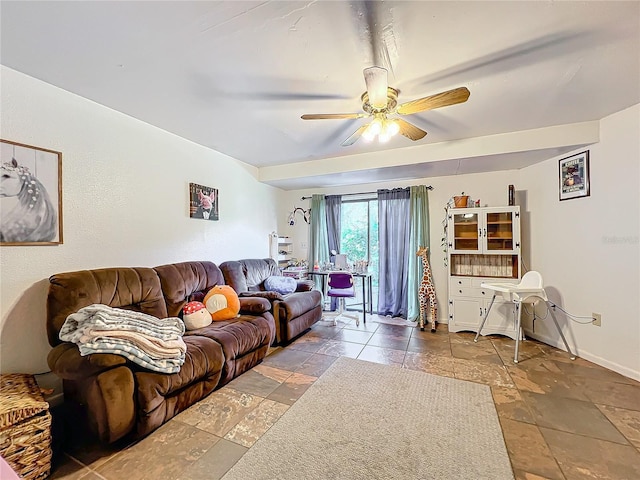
[30, 195]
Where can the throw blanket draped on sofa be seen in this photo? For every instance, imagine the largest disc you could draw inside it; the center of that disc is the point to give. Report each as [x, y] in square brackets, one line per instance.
[153, 343]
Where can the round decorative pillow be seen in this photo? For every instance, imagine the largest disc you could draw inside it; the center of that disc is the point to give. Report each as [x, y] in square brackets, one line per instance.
[195, 315]
[222, 303]
[280, 284]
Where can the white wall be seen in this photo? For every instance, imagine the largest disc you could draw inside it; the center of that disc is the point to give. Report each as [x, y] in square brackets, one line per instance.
[490, 188]
[588, 249]
[125, 203]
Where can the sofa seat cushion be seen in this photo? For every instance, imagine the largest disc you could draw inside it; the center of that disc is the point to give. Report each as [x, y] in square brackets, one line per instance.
[238, 337]
[299, 303]
[204, 359]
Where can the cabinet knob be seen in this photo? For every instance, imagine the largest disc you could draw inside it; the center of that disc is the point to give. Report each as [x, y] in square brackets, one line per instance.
[483, 292]
[459, 291]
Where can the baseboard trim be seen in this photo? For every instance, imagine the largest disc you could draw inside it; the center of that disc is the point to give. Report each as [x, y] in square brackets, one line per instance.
[603, 362]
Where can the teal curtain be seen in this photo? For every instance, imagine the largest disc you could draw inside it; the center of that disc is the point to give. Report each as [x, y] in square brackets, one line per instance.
[418, 237]
[318, 236]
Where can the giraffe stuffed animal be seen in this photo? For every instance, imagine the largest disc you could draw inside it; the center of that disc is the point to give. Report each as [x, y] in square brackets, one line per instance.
[427, 292]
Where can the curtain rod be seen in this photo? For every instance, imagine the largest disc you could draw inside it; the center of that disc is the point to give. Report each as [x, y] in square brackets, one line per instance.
[429, 187]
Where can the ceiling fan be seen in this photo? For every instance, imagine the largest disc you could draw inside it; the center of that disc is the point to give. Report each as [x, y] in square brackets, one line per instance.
[380, 101]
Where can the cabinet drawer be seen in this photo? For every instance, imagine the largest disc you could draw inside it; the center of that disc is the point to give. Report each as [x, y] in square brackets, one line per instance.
[477, 281]
[484, 293]
[465, 292]
[460, 282]
[457, 291]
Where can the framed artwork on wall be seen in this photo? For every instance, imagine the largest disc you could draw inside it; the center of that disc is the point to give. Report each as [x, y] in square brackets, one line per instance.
[203, 202]
[574, 176]
[30, 195]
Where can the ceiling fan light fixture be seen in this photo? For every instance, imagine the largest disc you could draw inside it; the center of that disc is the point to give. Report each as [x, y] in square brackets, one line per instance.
[374, 129]
[392, 127]
[381, 127]
[380, 101]
[367, 136]
[389, 129]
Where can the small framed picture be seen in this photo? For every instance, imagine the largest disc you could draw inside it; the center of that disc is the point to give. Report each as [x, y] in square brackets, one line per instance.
[30, 195]
[203, 202]
[574, 176]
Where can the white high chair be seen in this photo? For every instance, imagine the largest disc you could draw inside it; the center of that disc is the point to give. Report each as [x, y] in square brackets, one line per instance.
[530, 291]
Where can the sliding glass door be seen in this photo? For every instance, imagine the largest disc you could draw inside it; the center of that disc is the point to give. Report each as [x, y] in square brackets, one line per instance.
[359, 237]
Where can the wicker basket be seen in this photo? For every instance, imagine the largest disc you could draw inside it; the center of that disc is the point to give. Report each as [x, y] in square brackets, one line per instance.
[461, 201]
[25, 426]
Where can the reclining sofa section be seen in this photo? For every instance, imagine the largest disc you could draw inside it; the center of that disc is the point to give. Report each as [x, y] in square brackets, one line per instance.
[122, 398]
[294, 312]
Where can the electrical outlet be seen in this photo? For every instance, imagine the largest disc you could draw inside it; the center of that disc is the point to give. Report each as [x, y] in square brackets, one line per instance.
[596, 319]
[303, 245]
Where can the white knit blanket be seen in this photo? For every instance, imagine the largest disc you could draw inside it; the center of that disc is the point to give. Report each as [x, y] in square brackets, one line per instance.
[148, 341]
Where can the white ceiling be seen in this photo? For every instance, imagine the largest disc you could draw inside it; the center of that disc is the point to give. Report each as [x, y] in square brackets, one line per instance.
[236, 76]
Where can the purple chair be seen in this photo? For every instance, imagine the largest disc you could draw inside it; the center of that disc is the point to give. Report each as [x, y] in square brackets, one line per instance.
[341, 287]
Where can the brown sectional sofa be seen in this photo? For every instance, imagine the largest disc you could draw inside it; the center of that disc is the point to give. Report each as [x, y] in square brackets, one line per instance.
[294, 313]
[123, 399]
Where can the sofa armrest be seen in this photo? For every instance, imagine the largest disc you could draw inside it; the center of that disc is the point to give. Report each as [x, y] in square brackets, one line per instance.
[254, 305]
[305, 286]
[296, 304]
[269, 295]
[67, 363]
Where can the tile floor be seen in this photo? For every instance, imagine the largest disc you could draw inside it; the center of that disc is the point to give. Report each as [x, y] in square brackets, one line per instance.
[561, 419]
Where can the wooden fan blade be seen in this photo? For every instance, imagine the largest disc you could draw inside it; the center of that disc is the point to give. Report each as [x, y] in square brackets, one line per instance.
[356, 135]
[450, 97]
[410, 131]
[331, 116]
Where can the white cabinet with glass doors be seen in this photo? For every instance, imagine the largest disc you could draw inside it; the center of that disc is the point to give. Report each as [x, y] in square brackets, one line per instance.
[484, 230]
[483, 246]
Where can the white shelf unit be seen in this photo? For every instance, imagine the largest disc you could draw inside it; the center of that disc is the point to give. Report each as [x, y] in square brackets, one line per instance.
[483, 245]
[285, 251]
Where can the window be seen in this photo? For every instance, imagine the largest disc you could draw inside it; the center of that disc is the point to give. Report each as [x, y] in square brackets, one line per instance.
[359, 237]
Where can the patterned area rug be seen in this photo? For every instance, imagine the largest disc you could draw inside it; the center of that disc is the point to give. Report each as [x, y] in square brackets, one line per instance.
[363, 420]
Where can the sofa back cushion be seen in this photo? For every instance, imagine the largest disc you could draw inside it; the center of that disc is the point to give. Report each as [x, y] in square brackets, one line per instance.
[234, 276]
[186, 281]
[135, 289]
[249, 275]
[257, 270]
